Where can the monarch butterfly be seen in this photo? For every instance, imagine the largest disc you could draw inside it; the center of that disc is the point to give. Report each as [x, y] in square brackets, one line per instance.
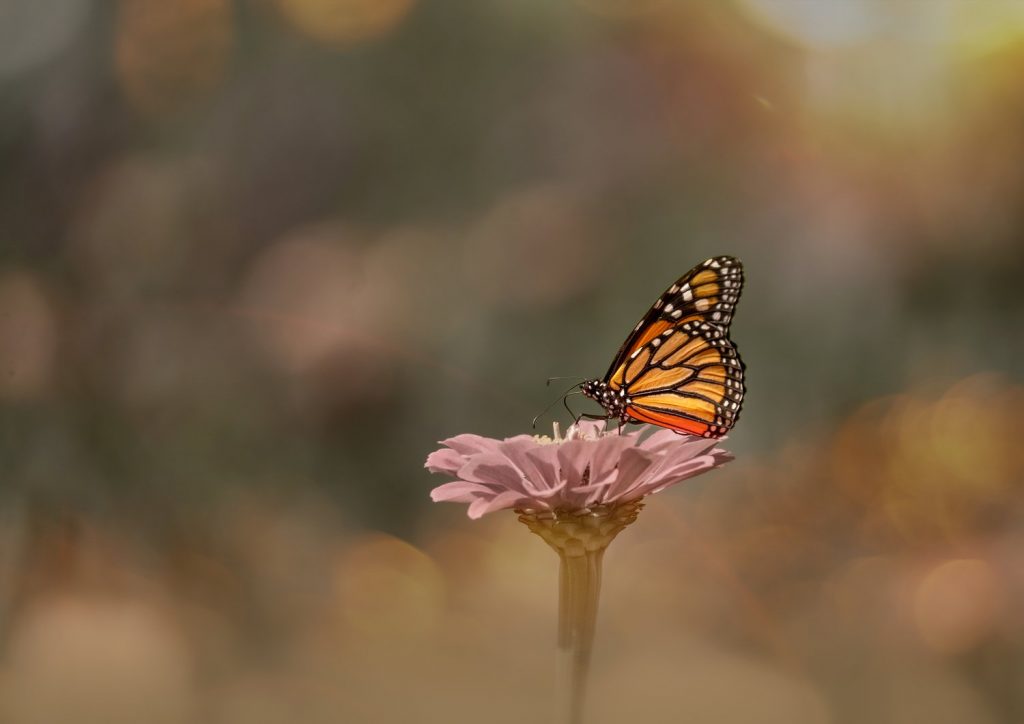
[678, 368]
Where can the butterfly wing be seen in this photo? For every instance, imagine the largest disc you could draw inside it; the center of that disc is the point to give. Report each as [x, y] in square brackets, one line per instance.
[689, 378]
[678, 367]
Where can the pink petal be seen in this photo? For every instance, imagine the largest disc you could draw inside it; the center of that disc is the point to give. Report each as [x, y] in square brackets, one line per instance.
[662, 439]
[688, 452]
[670, 456]
[572, 459]
[592, 487]
[632, 464]
[589, 428]
[605, 458]
[476, 508]
[444, 460]
[479, 508]
[593, 494]
[469, 444]
[545, 457]
[679, 474]
[674, 443]
[458, 491]
[506, 500]
[540, 476]
[493, 470]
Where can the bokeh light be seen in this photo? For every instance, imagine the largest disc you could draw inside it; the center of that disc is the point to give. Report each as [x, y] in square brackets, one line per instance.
[388, 590]
[345, 21]
[168, 57]
[958, 604]
[307, 297]
[96, 660]
[824, 25]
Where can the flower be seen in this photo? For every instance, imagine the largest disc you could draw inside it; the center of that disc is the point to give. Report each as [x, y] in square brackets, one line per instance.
[588, 468]
[577, 493]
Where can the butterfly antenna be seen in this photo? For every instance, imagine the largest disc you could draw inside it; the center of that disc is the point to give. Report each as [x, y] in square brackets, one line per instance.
[555, 402]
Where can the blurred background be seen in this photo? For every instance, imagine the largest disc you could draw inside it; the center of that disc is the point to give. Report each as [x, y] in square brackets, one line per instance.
[258, 256]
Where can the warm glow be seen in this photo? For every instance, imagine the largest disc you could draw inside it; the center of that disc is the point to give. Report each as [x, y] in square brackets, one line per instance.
[168, 55]
[957, 604]
[984, 26]
[93, 659]
[624, 8]
[345, 21]
[821, 24]
[389, 589]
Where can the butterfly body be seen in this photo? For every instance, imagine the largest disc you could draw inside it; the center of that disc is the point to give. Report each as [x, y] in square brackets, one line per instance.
[678, 368]
[613, 401]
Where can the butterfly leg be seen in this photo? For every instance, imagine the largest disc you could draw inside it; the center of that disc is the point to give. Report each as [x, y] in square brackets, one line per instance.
[587, 416]
[565, 404]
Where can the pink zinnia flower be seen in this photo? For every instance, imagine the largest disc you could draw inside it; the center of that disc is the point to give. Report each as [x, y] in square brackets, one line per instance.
[588, 468]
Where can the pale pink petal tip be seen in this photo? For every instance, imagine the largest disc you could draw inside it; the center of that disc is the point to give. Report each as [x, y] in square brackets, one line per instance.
[584, 468]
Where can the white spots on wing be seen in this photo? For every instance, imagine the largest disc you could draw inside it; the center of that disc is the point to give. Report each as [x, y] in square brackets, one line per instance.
[655, 342]
[676, 314]
[687, 293]
[673, 289]
[702, 305]
[669, 307]
[657, 304]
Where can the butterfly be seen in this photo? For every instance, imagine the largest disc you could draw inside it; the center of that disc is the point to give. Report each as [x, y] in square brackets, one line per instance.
[678, 368]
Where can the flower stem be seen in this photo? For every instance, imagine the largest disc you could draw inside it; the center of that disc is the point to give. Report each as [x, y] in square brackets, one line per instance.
[580, 538]
[578, 592]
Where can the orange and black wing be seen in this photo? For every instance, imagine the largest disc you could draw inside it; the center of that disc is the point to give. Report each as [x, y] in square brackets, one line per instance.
[679, 369]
